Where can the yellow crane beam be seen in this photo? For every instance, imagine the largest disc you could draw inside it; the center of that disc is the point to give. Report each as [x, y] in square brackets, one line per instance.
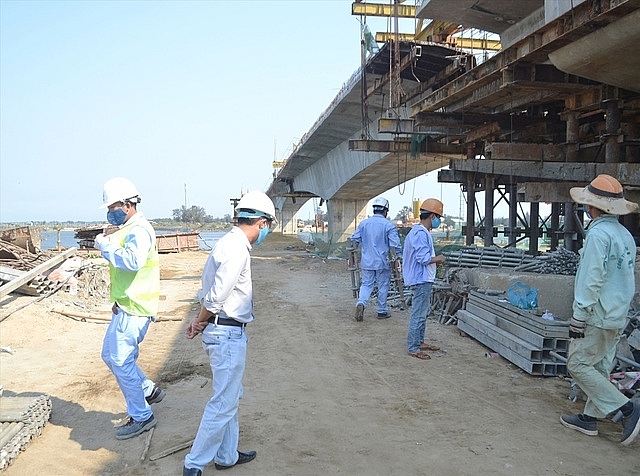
[382, 10]
[453, 41]
[435, 31]
[382, 37]
[475, 43]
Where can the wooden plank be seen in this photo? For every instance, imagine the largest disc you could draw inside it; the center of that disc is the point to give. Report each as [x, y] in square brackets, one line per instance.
[627, 173]
[171, 450]
[28, 276]
[549, 191]
[524, 151]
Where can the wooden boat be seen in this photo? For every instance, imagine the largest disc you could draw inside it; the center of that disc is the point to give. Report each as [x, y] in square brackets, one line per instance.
[177, 242]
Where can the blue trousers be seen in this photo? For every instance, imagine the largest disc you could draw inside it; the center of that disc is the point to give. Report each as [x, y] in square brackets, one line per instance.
[380, 278]
[420, 308]
[218, 433]
[120, 350]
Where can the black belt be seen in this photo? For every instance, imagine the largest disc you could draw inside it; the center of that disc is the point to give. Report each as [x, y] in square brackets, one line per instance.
[224, 321]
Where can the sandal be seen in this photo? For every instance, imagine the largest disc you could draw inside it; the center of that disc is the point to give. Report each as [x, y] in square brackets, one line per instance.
[420, 355]
[424, 346]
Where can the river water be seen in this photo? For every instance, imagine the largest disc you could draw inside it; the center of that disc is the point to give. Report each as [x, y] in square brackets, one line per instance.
[206, 239]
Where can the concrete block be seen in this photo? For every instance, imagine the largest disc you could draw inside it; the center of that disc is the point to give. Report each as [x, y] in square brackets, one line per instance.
[554, 8]
[555, 292]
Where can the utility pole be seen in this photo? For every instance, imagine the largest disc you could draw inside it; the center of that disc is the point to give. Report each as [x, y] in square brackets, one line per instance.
[184, 215]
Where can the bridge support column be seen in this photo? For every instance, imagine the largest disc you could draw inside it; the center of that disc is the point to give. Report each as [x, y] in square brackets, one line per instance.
[344, 217]
[287, 217]
[288, 222]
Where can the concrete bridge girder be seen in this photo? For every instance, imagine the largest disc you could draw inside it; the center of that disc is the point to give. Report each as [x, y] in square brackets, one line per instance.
[348, 179]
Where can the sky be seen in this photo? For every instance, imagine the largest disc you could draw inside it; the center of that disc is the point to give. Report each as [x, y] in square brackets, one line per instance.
[190, 100]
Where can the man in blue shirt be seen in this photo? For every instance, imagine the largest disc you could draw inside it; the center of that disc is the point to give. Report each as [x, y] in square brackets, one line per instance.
[419, 263]
[378, 236]
[603, 290]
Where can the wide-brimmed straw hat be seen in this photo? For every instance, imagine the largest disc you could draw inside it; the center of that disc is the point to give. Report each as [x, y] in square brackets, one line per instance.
[604, 193]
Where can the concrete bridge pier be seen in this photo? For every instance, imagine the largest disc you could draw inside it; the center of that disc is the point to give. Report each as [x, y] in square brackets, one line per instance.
[287, 221]
[344, 217]
[287, 215]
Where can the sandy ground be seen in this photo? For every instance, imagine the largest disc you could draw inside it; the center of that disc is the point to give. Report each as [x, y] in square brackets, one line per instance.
[324, 394]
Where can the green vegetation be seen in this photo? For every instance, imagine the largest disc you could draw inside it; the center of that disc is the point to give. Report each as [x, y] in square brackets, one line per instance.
[194, 218]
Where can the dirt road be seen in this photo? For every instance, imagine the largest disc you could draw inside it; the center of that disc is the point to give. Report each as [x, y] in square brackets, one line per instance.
[324, 394]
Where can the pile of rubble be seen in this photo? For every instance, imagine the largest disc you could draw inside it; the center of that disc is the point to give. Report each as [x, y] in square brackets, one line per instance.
[29, 271]
[25, 269]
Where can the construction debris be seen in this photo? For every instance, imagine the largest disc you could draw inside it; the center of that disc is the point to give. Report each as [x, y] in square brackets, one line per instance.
[449, 295]
[23, 237]
[29, 276]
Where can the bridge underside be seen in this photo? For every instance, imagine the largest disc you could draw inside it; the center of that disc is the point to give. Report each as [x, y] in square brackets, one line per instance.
[557, 105]
[345, 160]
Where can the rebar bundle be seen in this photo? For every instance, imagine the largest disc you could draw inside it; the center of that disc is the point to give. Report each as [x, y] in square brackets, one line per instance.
[491, 256]
[560, 261]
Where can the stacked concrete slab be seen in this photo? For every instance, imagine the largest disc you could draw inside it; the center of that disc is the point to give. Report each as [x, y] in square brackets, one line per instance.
[518, 335]
[21, 420]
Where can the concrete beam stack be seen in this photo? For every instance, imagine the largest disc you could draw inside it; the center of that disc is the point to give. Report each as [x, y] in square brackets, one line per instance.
[21, 420]
[518, 335]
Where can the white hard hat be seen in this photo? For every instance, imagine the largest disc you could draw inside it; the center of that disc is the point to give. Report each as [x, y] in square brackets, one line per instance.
[118, 189]
[256, 204]
[380, 202]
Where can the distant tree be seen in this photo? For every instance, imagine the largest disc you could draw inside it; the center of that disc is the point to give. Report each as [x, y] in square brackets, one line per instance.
[404, 214]
[448, 221]
[194, 214]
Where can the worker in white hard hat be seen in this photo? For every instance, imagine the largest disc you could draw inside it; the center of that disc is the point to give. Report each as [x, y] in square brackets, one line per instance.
[226, 309]
[134, 270]
[377, 236]
[603, 290]
[419, 261]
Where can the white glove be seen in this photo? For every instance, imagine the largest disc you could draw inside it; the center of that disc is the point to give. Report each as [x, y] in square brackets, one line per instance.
[100, 241]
